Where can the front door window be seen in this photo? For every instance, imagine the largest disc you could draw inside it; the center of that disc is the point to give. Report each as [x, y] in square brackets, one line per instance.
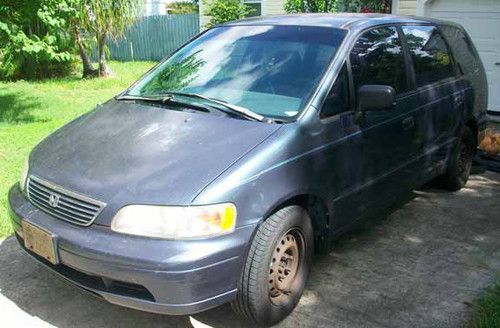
[377, 58]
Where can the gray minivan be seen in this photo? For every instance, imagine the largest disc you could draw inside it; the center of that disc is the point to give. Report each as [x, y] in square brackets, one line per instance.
[217, 175]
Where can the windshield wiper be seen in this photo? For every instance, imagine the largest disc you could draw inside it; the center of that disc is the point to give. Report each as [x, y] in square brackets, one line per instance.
[165, 99]
[242, 111]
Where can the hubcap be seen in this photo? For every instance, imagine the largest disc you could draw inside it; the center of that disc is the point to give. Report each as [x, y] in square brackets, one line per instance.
[284, 266]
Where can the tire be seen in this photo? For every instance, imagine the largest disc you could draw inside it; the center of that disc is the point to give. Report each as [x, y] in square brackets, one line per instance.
[459, 168]
[286, 239]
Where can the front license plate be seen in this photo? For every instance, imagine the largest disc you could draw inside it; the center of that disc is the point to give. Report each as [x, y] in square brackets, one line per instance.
[39, 242]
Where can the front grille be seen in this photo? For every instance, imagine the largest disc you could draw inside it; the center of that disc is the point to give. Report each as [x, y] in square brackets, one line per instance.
[63, 204]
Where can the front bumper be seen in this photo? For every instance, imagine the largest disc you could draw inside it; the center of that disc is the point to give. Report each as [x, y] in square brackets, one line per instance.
[154, 275]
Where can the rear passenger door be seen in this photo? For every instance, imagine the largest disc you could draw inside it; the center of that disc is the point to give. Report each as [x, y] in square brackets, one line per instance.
[438, 91]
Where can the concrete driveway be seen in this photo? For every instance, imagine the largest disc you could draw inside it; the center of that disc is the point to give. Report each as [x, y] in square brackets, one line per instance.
[419, 266]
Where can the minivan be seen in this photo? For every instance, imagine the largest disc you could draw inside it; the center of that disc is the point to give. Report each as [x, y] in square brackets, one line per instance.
[219, 174]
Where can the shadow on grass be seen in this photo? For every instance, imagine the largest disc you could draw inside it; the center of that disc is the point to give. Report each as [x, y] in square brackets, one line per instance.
[15, 107]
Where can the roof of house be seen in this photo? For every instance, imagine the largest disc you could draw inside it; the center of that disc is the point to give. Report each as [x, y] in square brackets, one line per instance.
[344, 20]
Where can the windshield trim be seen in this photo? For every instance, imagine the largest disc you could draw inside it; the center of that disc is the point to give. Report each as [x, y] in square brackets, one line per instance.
[276, 119]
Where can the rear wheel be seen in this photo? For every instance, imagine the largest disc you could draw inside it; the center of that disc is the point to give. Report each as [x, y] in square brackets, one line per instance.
[277, 266]
[458, 170]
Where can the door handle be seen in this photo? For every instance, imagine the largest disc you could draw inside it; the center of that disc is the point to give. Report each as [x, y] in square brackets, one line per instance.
[408, 122]
[458, 99]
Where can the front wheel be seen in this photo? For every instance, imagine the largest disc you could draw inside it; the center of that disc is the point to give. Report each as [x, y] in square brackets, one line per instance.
[458, 170]
[276, 268]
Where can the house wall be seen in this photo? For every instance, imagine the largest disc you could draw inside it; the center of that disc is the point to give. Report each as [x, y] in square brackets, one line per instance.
[273, 7]
[404, 7]
[155, 7]
[203, 19]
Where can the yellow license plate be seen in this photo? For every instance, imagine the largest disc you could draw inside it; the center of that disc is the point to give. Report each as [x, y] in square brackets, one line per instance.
[39, 242]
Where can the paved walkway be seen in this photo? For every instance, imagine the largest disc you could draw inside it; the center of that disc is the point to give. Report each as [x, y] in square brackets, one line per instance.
[419, 266]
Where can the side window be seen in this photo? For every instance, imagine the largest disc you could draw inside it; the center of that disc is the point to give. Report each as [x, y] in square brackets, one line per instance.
[462, 49]
[428, 50]
[469, 62]
[337, 100]
[377, 58]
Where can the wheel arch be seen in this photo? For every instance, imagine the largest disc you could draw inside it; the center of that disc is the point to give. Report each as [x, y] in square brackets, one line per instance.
[318, 212]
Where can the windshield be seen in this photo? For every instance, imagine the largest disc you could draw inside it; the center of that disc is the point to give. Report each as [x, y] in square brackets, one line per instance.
[271, 70]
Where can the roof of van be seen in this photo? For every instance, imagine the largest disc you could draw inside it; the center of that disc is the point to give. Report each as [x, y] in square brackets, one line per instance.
[344, 20]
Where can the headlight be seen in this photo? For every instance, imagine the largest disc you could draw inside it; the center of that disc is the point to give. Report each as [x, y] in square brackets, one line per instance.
[24, 176]
[175, 222]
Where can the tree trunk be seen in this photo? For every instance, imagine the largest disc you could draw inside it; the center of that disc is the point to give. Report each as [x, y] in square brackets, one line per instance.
[88, 69]
[104, 69]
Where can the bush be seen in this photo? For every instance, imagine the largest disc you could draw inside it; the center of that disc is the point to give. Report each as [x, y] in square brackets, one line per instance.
[324, 6]
[35, 39]
[222, 11]
[182, 7]
[309, 6]
[32, 57]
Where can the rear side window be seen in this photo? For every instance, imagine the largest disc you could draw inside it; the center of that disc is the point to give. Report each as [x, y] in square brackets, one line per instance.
[377, 58]
[468, 60]
[428, 50]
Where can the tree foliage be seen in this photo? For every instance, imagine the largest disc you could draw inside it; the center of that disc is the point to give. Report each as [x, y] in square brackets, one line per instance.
[325, 6]
[33, 39]
[309, 6]
[222, 11]
[40, 38]
[107, 19]
[183, 7]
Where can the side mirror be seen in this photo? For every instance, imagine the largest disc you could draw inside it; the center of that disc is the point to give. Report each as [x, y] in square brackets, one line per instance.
[376, 98]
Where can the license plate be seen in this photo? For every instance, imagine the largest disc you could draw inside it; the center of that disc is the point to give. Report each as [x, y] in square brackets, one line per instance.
[39, 242]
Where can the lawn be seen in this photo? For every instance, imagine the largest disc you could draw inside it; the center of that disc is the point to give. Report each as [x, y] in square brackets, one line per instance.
[29, 111]
[487, 309]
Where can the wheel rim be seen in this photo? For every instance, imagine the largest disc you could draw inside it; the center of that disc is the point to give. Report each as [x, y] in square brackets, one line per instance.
[285, 266]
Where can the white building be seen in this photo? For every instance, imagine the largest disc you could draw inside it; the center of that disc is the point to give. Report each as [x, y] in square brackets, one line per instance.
[155, 7]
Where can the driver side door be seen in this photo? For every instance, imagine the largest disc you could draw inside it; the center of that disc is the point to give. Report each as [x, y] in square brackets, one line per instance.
[378, 145]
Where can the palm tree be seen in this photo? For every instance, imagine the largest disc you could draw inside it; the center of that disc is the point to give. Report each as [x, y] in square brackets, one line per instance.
[107, 19]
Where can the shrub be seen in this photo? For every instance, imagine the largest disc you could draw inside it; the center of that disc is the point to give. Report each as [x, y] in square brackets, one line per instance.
[182, 7]
[323, 6]
[222, 11]
[35, 40]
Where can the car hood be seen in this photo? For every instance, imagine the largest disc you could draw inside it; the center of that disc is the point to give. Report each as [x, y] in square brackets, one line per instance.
[130, 153]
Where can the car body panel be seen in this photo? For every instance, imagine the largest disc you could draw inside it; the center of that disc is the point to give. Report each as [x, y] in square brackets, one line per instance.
[174, 272]
[130, 153]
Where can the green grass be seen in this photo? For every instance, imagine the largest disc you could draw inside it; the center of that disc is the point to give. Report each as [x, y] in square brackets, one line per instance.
[487, 309]
[30, 110]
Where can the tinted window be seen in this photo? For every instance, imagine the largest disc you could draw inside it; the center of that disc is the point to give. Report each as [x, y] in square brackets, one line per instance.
[429, 53]
[468, 60]
[377, 58]
[271, 70]
[338, 97]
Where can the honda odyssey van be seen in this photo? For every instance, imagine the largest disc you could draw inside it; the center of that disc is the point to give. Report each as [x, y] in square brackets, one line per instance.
[218, 175]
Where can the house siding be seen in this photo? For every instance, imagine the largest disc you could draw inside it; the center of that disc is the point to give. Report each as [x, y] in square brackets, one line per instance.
[405, 7]
[203, 19]
[273, 7]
